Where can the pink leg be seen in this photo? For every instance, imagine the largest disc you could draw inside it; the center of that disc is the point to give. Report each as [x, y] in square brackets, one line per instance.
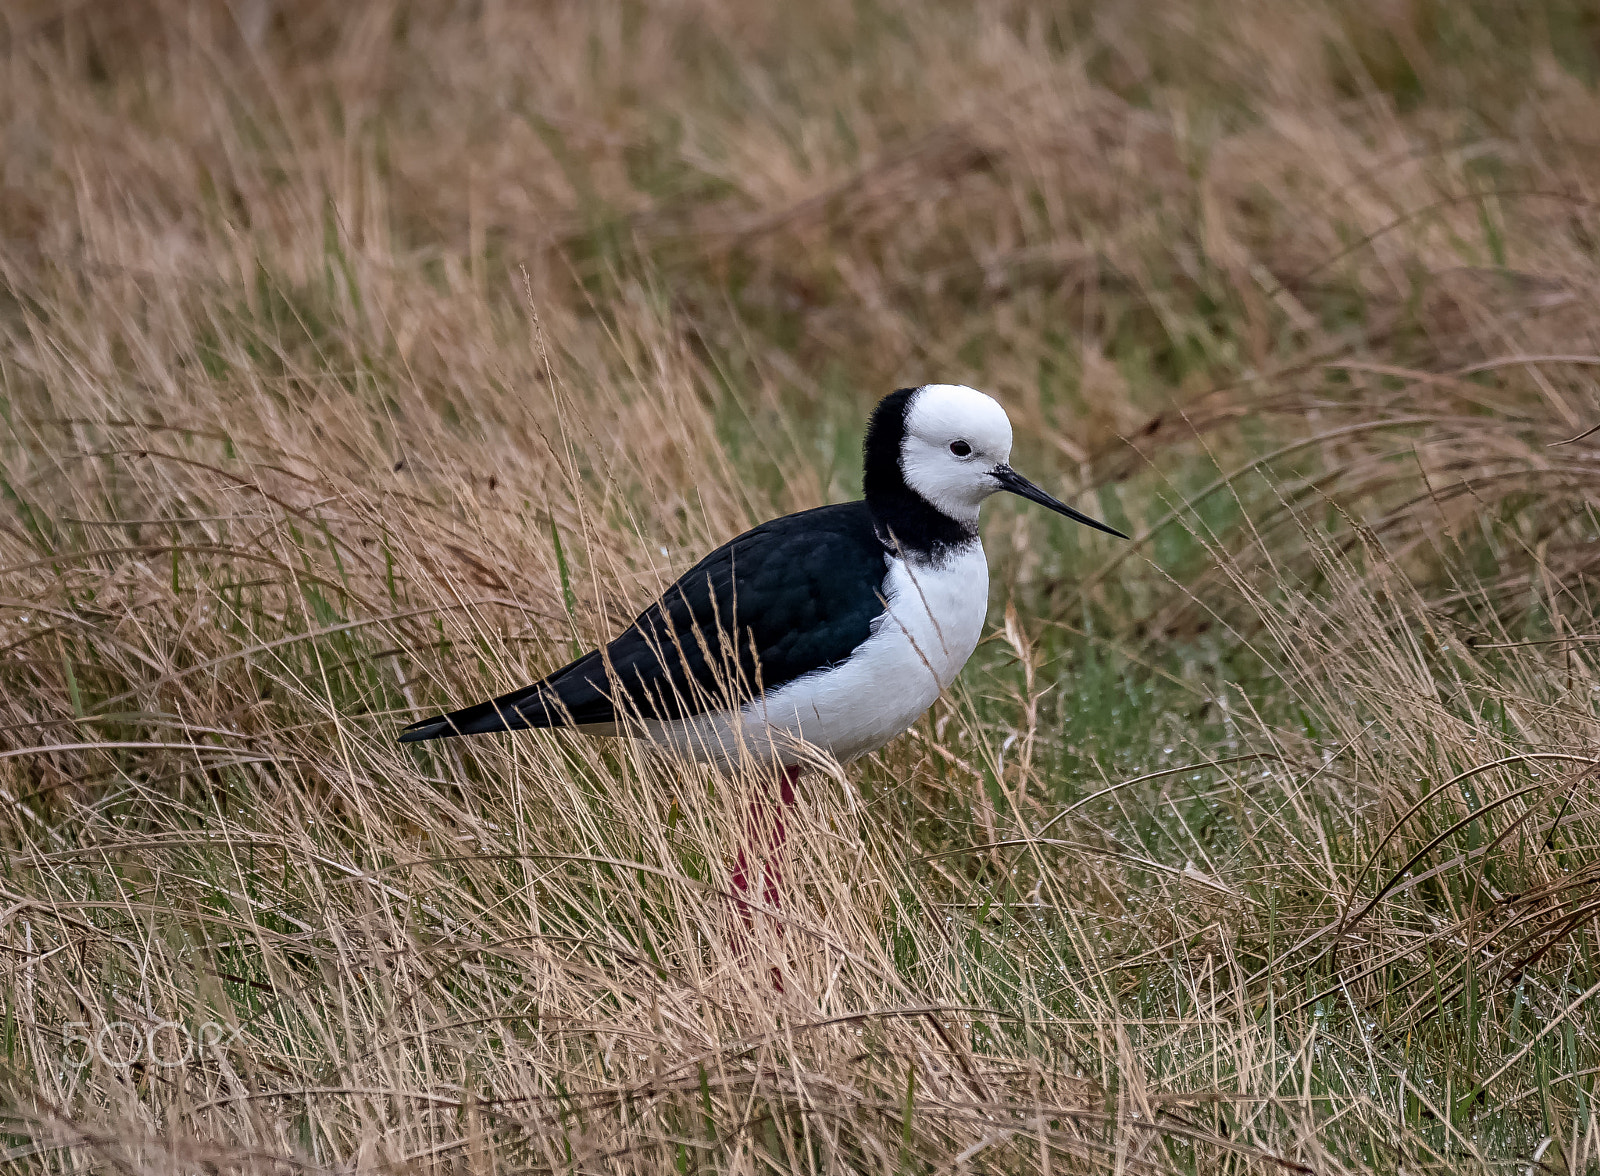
[758, 860]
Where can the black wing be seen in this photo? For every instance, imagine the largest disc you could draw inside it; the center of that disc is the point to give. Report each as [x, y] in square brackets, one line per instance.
[791, 596]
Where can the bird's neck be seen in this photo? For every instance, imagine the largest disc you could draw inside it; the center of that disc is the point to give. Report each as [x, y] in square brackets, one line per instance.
[908, 523]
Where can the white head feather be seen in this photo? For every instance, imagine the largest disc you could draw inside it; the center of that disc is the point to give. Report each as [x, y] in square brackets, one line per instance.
[954, 438]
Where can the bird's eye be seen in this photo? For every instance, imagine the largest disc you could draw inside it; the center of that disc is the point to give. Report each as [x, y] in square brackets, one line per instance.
[960, 449]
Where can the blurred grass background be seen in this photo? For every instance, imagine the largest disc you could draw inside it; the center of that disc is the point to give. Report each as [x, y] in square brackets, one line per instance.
[360, 360]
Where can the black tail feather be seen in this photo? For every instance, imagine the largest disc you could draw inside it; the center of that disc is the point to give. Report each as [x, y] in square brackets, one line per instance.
[528, 707]
[572, 696]
[435, 728]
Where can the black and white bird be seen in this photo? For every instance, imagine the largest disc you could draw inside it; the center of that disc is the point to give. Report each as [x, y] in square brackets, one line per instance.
[830, 629]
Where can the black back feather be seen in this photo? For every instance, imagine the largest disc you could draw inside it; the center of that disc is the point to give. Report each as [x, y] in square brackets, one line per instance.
[792, 596]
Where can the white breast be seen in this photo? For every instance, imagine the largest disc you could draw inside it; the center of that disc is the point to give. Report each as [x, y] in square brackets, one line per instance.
[931, 626]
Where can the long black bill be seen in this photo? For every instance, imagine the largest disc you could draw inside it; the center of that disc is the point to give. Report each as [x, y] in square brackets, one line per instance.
[1010, 480]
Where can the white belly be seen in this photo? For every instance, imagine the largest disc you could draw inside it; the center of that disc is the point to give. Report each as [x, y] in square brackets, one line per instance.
[934, 619]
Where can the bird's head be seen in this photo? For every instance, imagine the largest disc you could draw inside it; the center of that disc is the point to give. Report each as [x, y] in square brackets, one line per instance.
[951, 446]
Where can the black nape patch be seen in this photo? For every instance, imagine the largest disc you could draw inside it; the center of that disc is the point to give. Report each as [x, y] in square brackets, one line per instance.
[912, 523]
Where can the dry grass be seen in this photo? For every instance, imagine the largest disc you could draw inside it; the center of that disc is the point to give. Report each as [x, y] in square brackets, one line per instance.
[359, 360]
